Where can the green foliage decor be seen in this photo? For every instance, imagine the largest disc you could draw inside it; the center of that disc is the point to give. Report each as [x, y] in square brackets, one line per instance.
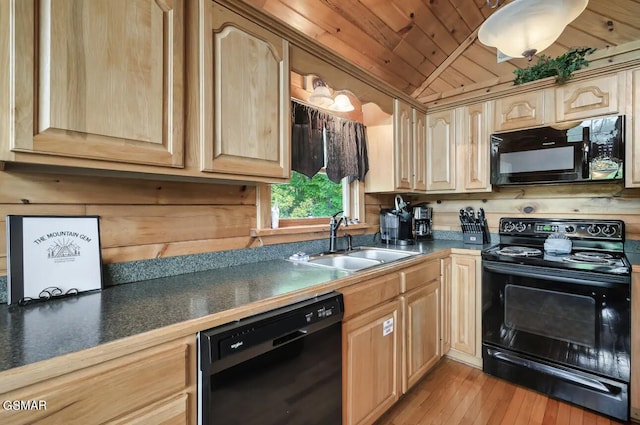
[561, 67]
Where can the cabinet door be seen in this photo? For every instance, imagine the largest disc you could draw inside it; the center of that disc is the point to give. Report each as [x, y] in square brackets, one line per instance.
[463, 304]
[150, 386]
[419, 151]
[589, 98]
[519, 111]
[632, 148]
[403, 128]
[99, 79]
[473, 149]
[422, 332]
[371, 363]
[246, 97]
[441, 151]
[445, 305]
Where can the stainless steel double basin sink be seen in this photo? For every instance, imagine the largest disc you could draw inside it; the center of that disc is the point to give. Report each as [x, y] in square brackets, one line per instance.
[357, 258]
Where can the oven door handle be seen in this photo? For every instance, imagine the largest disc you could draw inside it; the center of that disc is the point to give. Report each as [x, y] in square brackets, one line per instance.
[557, 275]
[574, 377]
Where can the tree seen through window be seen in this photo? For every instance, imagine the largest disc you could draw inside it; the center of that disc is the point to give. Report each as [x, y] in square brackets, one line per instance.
[305, 198]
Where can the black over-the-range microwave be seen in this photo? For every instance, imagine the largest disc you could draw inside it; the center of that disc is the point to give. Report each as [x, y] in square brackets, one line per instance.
[581, 151]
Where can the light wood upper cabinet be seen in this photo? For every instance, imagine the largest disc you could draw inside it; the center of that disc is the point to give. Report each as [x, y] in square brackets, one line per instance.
[519, 111]
[632, 148]
[419, 151]
[97, 79]
[441, 151]
[396, 149]
[472, 150]
[246, 97]
[403, 129]
[589, 98]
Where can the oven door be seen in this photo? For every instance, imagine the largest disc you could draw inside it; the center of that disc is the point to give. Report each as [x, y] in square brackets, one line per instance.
[565, 333]
[572, 318]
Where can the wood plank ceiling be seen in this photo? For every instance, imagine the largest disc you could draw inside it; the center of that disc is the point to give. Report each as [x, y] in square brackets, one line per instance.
[429, 47]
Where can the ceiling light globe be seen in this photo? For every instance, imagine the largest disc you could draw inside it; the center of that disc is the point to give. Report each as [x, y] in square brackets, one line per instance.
[525, 25]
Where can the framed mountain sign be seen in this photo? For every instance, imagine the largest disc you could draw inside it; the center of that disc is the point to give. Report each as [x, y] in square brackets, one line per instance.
[52, 256]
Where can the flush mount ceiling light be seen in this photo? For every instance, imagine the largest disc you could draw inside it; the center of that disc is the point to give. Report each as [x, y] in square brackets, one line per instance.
[526, 27]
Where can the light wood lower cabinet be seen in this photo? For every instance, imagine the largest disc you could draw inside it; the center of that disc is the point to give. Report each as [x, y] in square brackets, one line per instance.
[421, 318]
[635, 346]
[371, 363]
[391, 338]
[422, 332]
[466, 312]
[445, 305]
[153, 386]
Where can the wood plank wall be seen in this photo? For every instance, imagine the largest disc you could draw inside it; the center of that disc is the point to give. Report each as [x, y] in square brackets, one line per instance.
[603, 201]
[144, 219]
[139, 219]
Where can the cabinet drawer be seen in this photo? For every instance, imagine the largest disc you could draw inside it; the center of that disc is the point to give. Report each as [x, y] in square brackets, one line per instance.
[172, 411]
[419, 275]
[362, 296]
[103, 392]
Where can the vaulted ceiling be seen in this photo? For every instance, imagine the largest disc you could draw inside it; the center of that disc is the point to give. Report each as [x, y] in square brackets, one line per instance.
[428, 47]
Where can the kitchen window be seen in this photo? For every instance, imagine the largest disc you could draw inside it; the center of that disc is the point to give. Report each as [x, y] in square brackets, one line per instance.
[329, 162]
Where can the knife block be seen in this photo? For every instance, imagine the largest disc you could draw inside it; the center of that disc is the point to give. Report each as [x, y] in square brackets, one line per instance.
[476, 237]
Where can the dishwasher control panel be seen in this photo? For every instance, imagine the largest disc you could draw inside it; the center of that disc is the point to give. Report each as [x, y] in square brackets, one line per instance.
[273, 328]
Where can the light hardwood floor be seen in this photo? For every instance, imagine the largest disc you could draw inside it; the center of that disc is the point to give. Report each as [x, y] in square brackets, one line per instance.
[456, 394]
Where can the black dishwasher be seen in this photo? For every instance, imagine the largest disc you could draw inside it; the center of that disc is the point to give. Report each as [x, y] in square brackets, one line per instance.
[279, 367]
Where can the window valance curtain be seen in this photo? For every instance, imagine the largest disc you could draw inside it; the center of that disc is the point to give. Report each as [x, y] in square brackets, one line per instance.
[346, 144]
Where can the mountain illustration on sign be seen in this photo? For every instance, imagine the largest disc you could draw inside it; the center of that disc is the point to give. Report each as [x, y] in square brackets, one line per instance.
[63, 248]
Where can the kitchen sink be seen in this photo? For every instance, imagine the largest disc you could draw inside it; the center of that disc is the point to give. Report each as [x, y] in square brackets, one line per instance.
[380, 254]
[344, 262]
[357, 259]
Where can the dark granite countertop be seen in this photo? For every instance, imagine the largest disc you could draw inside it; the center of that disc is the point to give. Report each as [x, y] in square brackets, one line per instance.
[42, 331]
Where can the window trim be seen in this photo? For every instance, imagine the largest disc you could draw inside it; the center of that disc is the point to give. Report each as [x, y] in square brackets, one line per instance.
[354, 209]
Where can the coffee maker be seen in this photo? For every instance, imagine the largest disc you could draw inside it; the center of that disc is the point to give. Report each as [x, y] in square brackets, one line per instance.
[422, 222]
[395, 224]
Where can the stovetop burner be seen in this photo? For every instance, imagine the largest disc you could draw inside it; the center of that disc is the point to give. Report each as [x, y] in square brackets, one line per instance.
[598, 245]
[600, 258]
[519, 251]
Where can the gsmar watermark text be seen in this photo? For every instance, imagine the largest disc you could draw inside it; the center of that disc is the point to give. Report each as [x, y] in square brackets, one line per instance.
[24, 405]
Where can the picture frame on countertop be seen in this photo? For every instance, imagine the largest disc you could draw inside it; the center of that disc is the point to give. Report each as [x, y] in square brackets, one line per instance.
[52, 256]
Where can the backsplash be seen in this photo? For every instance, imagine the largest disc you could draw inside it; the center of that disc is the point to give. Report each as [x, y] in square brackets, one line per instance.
[134, 271]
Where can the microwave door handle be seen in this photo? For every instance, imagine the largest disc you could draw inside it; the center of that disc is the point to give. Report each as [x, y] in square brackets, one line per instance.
[585, 159]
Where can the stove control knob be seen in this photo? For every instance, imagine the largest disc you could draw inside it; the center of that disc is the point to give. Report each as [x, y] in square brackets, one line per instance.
[608, 230]
[593, 230]
[521, 227]
[509, 226]
[569, 229]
